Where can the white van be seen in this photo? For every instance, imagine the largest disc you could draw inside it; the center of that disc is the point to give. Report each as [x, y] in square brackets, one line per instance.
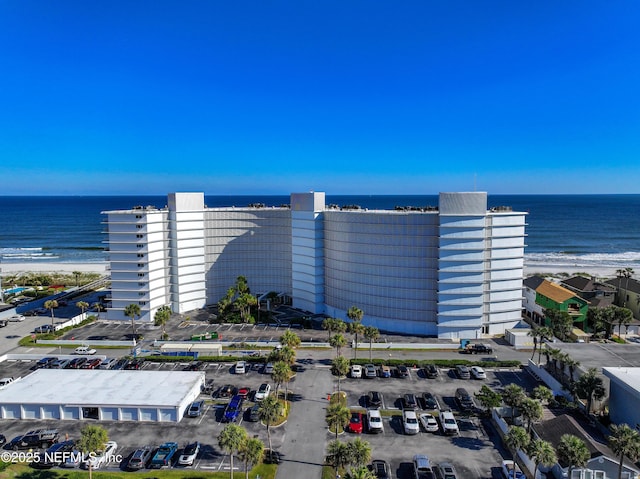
[356, 371]
[374, 420]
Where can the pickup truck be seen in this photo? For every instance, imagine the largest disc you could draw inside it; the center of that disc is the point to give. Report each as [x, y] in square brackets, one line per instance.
[163, 455]
[477, 348]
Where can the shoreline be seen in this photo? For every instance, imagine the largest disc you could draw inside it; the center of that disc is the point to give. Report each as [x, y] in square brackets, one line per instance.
[530, 269]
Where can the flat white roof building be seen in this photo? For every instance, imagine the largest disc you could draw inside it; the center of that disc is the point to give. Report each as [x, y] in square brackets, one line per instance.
[102, 394]
[452, 271]
[624, 395]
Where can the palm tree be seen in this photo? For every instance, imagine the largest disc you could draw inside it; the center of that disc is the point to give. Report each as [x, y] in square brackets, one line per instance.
[92, 438]
[250, 453]
[590, 386]
[622, 316]
[338, 454]
[626, 273]
[339, 367]
[131, 311]
[83, 305]
[337, 417]
[51, 305]
[337, 341]
[624, 441]
[361, 472]
[542, 453]
[359, 452]
[517, 438]
[542, 393]
[573, 451]
[356, 327]
[230, 441]
[161, 318]
[290, 339]
[285, 354]
[270, 411]
[572, 364]
[372, 334]
[513, 395]
[77, 275]
[556, 356]
[333, 325]
[531, 411]
[281, 374]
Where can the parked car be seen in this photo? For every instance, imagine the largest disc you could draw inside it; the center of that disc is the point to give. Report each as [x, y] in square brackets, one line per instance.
[402, 371]
[356, 371]
[463, 372]
[240, 367]
[370, 371]
[102, 458]
[429, 402]
[422, 467]
[5, 381]
[263, 392]
[409, 401]
[355, 423]
[429, 422]
[410, 422]
[385, 371]
[380, 469]
[511, 470]
[60, 364]
[134, 364]
[208, 387]
[228, 390]
[139, 458]
[448, 423]
[108, 363]
[38, 438]
[16, 318]
[195, 409]
[45, 363]
[374, 399]
[268, 368]
[464, 399]
[254, 413]
[3, 323]
[84, 350]
[45, 328]
[374, 421]
[55, 454]
[189, 454]
[445, 470]
[76, 363]
[244, 392]
[164, 455]
[92, 363]
[430, 371]
[233, 409]
[194, 366]
[478, 373]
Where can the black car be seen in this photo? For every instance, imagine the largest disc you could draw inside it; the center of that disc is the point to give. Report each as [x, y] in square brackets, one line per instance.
[194, 366]
[374, 399]
[380, 469]
[76, 363]
[402, 371]
[429, 402]
[45, 363]
[134, 364]
[272, 457]
[464, 399]
[55, 454]
[431, 371]
[254, 413]
[409, 401]
[226, 391]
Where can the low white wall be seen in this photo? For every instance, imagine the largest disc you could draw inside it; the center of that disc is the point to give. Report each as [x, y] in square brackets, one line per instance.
[548, 379]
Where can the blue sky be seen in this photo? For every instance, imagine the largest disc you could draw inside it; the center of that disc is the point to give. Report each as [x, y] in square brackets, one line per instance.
[362, 97]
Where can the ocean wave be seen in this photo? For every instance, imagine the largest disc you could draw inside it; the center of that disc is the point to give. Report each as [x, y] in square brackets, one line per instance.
[605, 260]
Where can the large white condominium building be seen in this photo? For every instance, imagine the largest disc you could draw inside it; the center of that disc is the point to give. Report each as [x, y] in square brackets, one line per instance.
[452, 271]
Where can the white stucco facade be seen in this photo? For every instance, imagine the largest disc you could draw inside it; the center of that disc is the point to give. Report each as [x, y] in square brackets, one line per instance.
[454, 271]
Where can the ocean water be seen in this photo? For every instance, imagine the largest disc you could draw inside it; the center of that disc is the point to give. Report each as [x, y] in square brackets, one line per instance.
[563, 230]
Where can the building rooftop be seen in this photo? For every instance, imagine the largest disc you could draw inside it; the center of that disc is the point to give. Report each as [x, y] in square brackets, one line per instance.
[99, 387]
[627, 376]
[554, 291]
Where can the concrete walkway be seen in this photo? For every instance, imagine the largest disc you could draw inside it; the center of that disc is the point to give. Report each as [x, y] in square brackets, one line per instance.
[303, 445]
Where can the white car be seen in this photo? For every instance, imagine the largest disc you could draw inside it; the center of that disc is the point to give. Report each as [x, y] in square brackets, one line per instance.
[84, 351]
[189, 454]
[374, 421]
[429, 422]
[16, 318]
[478, 373]
[356, 371]
[241, 367]
[263, 392]
[102, 458]
[448, 423]
[410, 422]
[5, 381]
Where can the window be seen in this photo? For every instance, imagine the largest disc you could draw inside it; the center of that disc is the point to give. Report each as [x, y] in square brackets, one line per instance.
[141, 293]
[576, 474]
[139, 246]
[139, 226]
[140, 265]
[139, 236]
[140, 255]
[142, 303]
[138, 216]
[142, 284]
[140, 275]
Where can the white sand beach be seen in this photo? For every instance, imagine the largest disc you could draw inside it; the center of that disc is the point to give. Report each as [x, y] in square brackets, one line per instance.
[11, 268]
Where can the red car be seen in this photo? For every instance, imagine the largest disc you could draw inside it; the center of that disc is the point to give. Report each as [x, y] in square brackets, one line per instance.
[355, 423]
[92, 364]
[244, 392]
